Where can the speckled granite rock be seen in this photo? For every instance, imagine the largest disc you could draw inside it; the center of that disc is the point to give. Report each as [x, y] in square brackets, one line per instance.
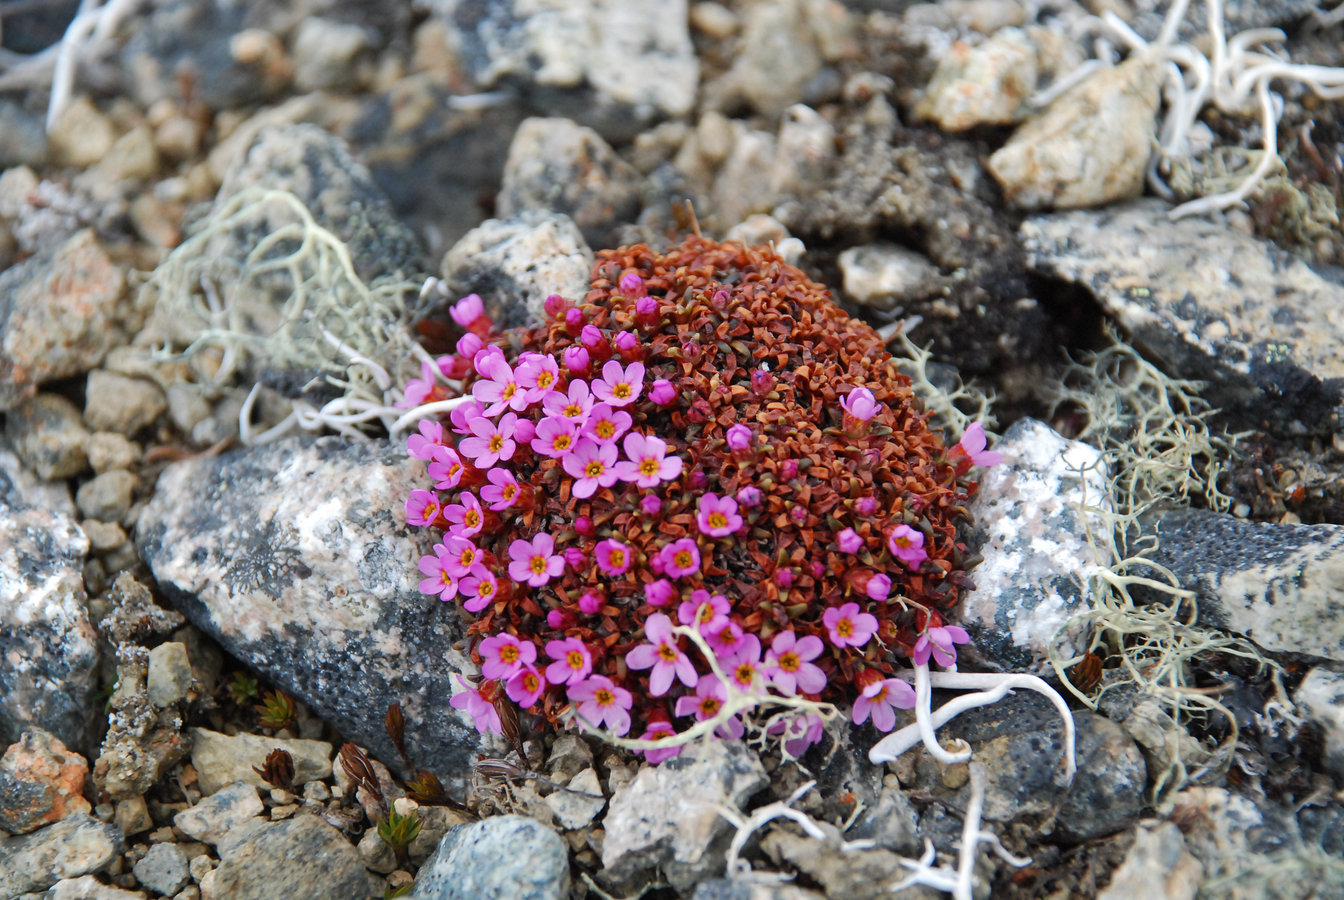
[48, 649]
[501, 857]
[514, 264]
[1321, 695]
[58, 315]
[1282, 586]
[302, 858]
[69, 848]
[665, 817]
[1260, 326]
[1029, 529]
[40, 782]
[1158, 865]
[295, 557]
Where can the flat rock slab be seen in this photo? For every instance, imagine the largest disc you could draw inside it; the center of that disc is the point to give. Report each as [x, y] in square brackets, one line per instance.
[296, 558]
[74, 846]
[302, 858]
[1216, 305]
[501, 857]
[1282, 586]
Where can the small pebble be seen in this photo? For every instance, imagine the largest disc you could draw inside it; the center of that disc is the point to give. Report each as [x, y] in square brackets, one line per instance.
[109, 450]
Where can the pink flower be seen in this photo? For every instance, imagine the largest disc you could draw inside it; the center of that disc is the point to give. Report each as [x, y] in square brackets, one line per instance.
[657, 730]
[572, 663]
[879, 587]
[606, 425]
[535, 562]
[467, 310]
[573, 405]
[525, 688]
[739, 438]
[620, 386]
[710, 695]
[613, 557]
[937, 642]
[439, 581]
[461, 554]
[481, 586]
[707, 612]
[860, 404]
[881, 699]
[789, 666]
[417, 390]
[467, 517]
[749, 496]
[576, 359]
[446, 468]
[505, 656]
[907, 545]
[662, 392]
[663, 655]
[422, 445]
[743, 667]
[502, 491]
[574, 558]
[601, 702]
[648, 463]
[972, 444]
[461, 416]
[680, 558]
[726, 640]
[468, 345]
[592, 465]
[490, 442]
[659, 593]
[717, 516]
[847, 626]
[590, 604]
[422, 507]
[651, 505]
[865, 506]
[555, 437]
[799, 732]
[481, 710]
[500, 390]
[849, 541]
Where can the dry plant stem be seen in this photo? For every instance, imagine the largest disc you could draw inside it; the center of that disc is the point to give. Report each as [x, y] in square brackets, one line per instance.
[739, 869]
[991, 688]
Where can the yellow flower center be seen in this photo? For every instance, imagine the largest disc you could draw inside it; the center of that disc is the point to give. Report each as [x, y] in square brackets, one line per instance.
[496, 442]
[667, 653]
[616, 559]
[709, 706]
[467, 558]
[509, 491]
[471, 519]
[508, 653]
[744, 673]
[844, 628]
[574, 659]
[537, 565]
[648, 466]
[573, 411]
[562, 442]
[682, 559]
[790, 662]
[509, 390]
[545, 380]
[604, 697]
[605, 429]
[621, 391]
[718, 520]
[594, 469]
[705, 614]
[485, 589]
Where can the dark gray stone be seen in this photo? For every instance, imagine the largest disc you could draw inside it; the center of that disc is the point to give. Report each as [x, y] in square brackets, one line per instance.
[1216, 305]
[294, 556]
[1034, 542]
[1282, 586]
[500, 858]
[23, 136]
[49, 436]
[74, 846]
[163, 869]
[302, 858]
[1107, 793]
[48, 649]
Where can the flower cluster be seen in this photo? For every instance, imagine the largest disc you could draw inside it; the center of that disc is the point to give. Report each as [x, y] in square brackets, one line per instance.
[704, 441]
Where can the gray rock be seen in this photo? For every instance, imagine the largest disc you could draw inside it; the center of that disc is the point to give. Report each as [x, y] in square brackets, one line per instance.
[74, 846]
[500, 858]
[88, 887]
[326, 52]
[515, 264]
[572, 809]
[634, 58]
[1282, 586]
[1090, 146]
[59, 315]
[107, 497]
[169, 676]
[884, 276]
[1216, 305]
[23, 137]
[305, 855]
[435, 822]
[984, 84]
[48, 649]
[1321, 696]
[187, 408]
[235, 809]
[163, 869]
[720, 889]
[104, 537]
[665, 818]
[561, 166]
[115, 402]
[892, 823]
[1032, 535]
[307, 594]
[222, 759]
[1157, 865]
[109, 450]
[1108, 792]
[854, 875]
[48, 434]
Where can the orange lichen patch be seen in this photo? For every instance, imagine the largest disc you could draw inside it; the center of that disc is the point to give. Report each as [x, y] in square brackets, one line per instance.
[44, 783]
[745, 338]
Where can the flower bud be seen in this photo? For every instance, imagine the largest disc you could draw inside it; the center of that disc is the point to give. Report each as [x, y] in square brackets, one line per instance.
[454, 366]
[866, 506]
[559, 619]
[469, 344]
[849, 541]
[662, 392]
[467, 310]
[692, 349]
[556, 306]
[576, 360]
[524, 431]
[720, 299]
[646, 312]
[749, 496]
[599, 348]
[699, 411]
[739, 438]
[584, 526]
[632, 285]
[788, 470]
[798, 513]
[818, 569]
[660, 593]
[784, 578]
[762, 381]
[651, 505]
[879, 587]
[574, 321]
[590, 603]
[574, 557]
[699, 479]
[629, 347]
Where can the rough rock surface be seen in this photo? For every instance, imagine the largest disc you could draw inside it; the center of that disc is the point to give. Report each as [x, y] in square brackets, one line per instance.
[981, 85]
[222, 759]
[295, 557]
[311, 859]
[69, 848]
[48, 434]
[1031, 530]
[234, 809]
[40, 782]
[1158, 865]
[515, 264]
[1282, 586]
[503, 856]
[1260, 326]
[1321, 695]
[48, 649]
[665, 818]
